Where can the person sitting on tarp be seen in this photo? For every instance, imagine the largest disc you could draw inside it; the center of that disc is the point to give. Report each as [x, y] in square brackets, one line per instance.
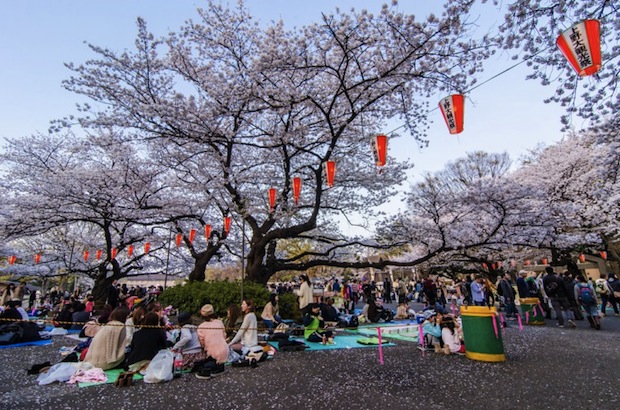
[328, 311]
[313, 322]
[10, 314]
[432, 329]
[377, 313]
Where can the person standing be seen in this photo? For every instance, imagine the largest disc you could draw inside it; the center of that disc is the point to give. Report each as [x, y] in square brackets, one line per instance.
[614, 297]
[387, 290]
[554, 288]
[586, 297]
[604, 291]
[478, 291]
[509, 294]
[113, 294]
[305, 294]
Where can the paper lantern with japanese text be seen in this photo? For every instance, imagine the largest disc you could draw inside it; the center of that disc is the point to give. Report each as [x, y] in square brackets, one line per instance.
[527, 262]
[12, 259]
[114, 253]
[582, 258]
[272, 199]
[296, 189]
[545, 261]
[37, 258]
[147, 248]
[453, 108]
[379, 145]
[227, 222]
[130, 251]
[208, 232]
[179, 239]
[581, 45]
[604, 255]
[86, 255]
[330, 173]
[192, 235]
[98, 254]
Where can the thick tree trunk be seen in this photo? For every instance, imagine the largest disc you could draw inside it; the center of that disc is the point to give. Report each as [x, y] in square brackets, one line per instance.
[102, 283]
[200, 263]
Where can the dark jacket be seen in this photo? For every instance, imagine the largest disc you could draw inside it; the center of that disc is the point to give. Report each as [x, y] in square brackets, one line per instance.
[554, 286]
[145, 344]
[507, 290]
[524, 291]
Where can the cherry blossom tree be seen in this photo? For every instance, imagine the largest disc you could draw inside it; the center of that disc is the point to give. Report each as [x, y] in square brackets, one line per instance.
[253, 107]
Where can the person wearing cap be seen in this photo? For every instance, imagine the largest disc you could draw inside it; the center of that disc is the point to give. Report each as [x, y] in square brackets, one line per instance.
[212, 335]
[432, 329]
[188, 344]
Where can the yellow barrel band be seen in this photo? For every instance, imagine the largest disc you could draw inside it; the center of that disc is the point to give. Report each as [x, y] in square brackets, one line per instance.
[485, 357]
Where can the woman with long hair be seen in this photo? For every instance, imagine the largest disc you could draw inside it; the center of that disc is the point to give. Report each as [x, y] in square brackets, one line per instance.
[233, 320]
[107, 350]
[247, 335]
[270, 313]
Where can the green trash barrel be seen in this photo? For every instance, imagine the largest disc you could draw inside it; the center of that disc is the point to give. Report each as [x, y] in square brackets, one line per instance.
[479, 334]
[535, 316]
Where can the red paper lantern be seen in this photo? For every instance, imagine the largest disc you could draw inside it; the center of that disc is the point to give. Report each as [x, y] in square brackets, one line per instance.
[272, 199]
[12, 259]
[130, 251]
[227, 222]
[37, 258]
[527, 262]
[114, 253]
[453, 109]
[485, 266]
[581, 45]
[582, 258]
[330, 173]
[545, 261]
[147, 247]
[379, 144]
[86, 254]
[208, 232]
[296, 189]
[179, 239]
[192, 235]
[494, 266]
[604, 255]
[99, 253]
[499, 264]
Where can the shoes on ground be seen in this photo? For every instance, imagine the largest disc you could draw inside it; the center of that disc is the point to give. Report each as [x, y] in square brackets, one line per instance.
[572, 324]
[203, 374]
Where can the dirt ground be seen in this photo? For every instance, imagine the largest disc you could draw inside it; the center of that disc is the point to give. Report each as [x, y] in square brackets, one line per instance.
[546, 368]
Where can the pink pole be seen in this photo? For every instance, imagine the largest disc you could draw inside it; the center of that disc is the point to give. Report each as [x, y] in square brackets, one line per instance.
[495, 326]
[534, 310]
[380, 346]
[421, 337]
[502, 321]
[527, 317]
[520, 323]
[540, 308]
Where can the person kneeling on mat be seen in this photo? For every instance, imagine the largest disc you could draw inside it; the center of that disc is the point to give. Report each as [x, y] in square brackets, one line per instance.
[313, 322]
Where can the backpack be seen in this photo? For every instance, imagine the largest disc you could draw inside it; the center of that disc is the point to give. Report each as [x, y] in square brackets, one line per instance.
[551, 288]
[500, 291]
[11, 333]
[586, 297]
[601, 289]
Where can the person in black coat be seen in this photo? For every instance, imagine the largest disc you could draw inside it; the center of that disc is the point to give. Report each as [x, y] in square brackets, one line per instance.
[147, 341]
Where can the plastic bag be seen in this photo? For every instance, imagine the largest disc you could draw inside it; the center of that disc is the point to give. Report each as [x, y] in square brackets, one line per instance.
[160, 368]
[233, 356]
[60, 372]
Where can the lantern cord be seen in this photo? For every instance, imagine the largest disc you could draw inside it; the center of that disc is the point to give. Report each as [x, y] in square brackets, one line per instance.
[484, 82]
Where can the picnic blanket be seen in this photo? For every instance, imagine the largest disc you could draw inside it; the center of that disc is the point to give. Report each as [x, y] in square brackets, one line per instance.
[341, 341]
[42, 342]
[112, 376]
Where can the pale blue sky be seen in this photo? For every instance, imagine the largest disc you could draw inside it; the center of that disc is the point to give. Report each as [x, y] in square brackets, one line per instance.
[38, 36]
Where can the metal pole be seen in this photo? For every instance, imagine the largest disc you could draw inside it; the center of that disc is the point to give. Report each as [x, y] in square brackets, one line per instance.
[167, 259]
[242, 256]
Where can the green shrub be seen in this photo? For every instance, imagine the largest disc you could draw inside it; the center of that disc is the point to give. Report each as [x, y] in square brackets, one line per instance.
[192, 296]
[289, 307]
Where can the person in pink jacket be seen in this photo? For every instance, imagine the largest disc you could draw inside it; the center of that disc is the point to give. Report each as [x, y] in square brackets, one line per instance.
[212, 338]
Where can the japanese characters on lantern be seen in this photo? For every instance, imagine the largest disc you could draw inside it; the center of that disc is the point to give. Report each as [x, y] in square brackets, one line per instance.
[581, 45]
[453, 108]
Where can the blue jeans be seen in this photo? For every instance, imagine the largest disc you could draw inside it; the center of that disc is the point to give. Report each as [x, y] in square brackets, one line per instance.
[271, 324]
[481, 303]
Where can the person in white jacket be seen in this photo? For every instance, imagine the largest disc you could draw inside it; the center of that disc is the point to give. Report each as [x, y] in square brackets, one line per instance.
[306, 294]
